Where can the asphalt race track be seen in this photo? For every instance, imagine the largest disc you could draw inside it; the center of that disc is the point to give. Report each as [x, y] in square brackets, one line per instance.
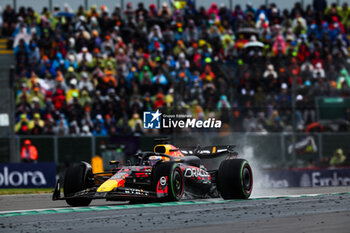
[284, 210]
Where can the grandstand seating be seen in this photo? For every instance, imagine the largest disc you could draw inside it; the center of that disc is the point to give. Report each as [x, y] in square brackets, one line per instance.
[94, 72]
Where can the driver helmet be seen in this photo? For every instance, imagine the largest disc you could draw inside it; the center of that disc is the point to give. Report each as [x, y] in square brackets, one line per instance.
[154, 159]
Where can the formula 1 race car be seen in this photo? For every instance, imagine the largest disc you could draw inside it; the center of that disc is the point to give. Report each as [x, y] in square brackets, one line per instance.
[166, 174]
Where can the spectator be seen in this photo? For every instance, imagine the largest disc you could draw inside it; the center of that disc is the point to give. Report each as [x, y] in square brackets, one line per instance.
[344, 13]
[85, 99]
[159, 78]
[318, 72]
[36, 126]
[21, 126]
[9, 21]
[99, 131]
[159, 102]
[270, 72]
[86, 64]
[85, 83]
[320, 5]
[99, 126]
[250, 122]
[72, 91]
[84, 56]
[1, 21]
[74, 129]
[135, 122]
[338, 158]
[29, 153]
[223, 103]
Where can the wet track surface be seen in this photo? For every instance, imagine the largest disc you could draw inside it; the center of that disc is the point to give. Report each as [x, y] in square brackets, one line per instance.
[325, 213]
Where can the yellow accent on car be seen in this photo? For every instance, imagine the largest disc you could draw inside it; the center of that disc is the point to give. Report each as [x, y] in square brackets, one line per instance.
[109, 185]
[97, 164]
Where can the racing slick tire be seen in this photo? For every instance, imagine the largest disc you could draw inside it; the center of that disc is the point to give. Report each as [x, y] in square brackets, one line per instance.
[235, 179]
[75, 180]
[172, 176]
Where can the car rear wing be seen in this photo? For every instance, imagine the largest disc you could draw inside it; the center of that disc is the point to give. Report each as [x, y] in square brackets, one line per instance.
[208, 152]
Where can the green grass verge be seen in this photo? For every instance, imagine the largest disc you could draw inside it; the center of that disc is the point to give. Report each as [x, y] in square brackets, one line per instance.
[25, 191]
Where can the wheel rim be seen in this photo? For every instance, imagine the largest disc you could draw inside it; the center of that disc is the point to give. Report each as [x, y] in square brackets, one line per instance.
[247, 179]
[178, 183]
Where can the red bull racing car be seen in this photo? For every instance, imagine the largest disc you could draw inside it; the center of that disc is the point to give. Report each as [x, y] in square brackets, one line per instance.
[166, 174]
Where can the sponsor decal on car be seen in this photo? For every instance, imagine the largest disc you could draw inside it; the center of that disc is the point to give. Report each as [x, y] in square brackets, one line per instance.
[118, 175]
[195, 172]
[100, 194]
[162, 187]
[136, 191]
[162, 181]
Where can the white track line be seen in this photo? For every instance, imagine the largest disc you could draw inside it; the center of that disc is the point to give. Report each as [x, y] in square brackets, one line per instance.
[255, 198]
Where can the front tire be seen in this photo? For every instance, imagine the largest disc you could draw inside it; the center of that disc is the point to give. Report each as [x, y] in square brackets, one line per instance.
[172, 173]
[235, 179]
[75, 180]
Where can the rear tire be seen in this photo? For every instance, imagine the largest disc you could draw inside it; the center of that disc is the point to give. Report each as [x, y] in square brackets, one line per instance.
[75, 180]
[174, 177]
[235, 179]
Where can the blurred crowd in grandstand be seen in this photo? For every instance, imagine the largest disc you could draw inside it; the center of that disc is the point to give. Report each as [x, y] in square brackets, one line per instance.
[95, 72]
